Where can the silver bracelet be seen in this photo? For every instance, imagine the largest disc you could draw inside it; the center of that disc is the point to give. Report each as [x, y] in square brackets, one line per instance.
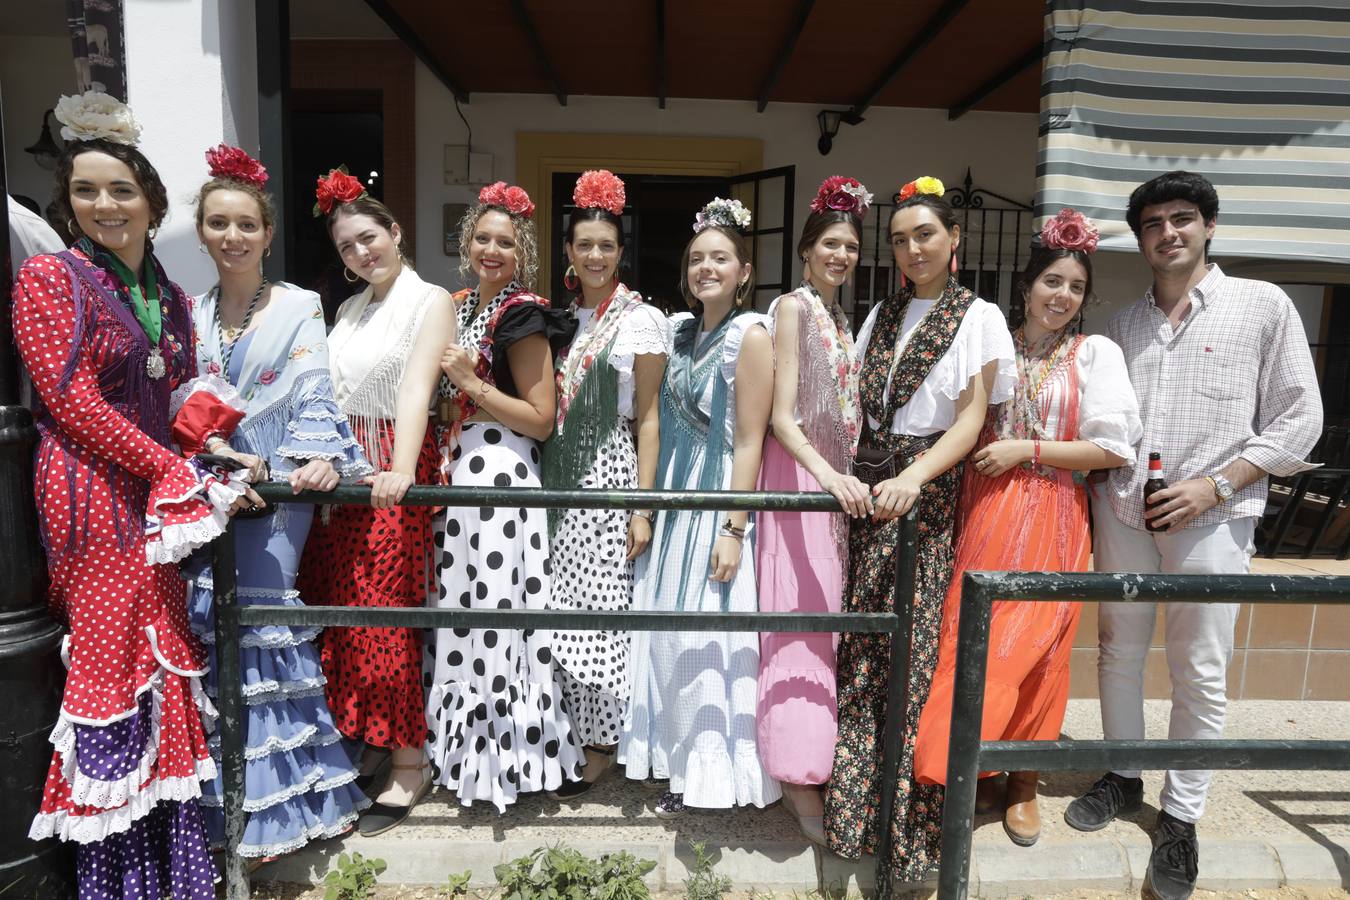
[727, 532]
[643, 514]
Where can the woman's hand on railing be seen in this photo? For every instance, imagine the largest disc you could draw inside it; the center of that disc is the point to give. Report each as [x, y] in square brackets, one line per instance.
[895, 496]
[256, 465]
[248, 501]
[639, 535]
[851, 493]
[315, 475]
[726, 558]
[387, 488]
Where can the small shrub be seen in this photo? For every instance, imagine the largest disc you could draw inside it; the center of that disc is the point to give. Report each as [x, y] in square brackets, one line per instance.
[457, 885]
[353, 879]
[561, 873]
[704, 883]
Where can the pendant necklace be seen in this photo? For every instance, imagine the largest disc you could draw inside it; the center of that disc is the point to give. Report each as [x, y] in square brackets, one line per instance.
[227, 349]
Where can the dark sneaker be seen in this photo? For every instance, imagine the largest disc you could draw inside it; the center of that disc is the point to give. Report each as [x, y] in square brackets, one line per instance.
[1175, 861]
[1111, 796]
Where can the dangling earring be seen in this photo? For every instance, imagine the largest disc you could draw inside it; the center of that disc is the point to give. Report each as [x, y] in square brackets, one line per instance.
[70, 227]
[268, 251]
[201, 247]
[571, 280]
[153, 233]
[348, 272]
[903, 283]
[953, 262]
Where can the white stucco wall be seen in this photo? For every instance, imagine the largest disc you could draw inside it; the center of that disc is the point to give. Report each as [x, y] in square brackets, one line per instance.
[891, 147]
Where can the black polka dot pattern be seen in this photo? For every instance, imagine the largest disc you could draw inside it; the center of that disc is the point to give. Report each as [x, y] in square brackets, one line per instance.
[496, 728]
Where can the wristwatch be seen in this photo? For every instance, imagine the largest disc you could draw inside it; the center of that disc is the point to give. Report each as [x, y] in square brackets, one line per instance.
[1223, 488]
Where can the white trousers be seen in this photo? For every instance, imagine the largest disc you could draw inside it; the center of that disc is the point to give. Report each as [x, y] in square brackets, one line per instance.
[1198, 638]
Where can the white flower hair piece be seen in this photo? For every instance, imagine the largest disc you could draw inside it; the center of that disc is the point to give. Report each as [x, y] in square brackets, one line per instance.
[727, 213]
[93, 116]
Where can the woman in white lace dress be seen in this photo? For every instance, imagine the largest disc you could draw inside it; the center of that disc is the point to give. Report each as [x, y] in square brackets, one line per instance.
[607, 437]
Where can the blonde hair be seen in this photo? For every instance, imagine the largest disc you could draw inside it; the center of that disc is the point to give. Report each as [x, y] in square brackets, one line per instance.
[527, 246]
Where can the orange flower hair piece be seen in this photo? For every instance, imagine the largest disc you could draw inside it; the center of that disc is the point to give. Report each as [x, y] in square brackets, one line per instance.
[600, 188]
[1069, 230]
[925, 184]
[509, 197]
[336, 187]
[224, 161]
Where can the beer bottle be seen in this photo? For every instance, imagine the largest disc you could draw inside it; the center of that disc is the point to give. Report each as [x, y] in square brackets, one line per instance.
[1155, 483]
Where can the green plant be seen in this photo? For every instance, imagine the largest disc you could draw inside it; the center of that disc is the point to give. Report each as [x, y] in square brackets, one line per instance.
[561, 873]
[457, 885]
[704, 883]
[353, 878]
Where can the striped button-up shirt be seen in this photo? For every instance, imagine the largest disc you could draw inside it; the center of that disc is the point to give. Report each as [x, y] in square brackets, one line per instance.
[1234, 379]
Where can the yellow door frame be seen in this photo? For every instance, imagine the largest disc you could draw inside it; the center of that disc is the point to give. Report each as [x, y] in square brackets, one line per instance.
[541, 154]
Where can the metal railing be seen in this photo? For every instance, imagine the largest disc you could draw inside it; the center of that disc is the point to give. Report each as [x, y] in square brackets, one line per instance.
[968, 755]
[230, 615]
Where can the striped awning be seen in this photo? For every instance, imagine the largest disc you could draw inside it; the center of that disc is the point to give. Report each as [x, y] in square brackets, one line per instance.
[1253, 94]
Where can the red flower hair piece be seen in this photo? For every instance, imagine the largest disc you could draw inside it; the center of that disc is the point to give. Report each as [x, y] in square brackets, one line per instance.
[336, 187]
[224, 161]
[509, 197]
[600, 188]
[1069, 230]
[843, 194]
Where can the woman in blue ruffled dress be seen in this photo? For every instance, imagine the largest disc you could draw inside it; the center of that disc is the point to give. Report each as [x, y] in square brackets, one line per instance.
[262, 349]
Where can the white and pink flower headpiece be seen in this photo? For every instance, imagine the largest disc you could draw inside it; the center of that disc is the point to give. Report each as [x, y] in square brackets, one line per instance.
[842, 194]
[509, 197]
[600, 189]
[1069, 230]
[96, 116]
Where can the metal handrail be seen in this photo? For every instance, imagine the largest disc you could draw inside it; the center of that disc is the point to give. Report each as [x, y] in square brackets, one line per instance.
[230, 615]
[968, 755]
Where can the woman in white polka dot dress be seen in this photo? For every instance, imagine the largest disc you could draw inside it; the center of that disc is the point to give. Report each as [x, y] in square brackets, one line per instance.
[106, 337]
[692, 714]
[608, 382]
[494, 703]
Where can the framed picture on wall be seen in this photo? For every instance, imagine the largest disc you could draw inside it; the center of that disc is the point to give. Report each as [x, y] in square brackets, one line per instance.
[451, 214]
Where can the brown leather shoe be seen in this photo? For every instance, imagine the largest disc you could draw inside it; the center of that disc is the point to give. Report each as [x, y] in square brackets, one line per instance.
[989, 794]
[1022, 820]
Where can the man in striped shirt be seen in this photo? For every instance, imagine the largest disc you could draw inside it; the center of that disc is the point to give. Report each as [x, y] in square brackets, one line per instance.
[1228, 396]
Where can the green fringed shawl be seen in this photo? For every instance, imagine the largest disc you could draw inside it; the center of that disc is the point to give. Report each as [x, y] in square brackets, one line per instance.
[592, 420]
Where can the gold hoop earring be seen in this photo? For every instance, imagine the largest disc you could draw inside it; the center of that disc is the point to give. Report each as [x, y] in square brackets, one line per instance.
[153, 233]
[354, 277]
[71, 227]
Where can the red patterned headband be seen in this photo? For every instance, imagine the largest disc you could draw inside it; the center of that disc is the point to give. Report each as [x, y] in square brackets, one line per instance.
[1069, 230]
[335, 188]
[224, 161]
[602, 189]
[843, 194]
[509, 197]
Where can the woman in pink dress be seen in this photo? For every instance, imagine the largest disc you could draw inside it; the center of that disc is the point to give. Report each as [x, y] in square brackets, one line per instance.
[801, 555]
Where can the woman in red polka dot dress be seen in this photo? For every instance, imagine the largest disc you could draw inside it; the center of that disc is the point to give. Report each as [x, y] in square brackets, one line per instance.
[105, 338]
[384, 354]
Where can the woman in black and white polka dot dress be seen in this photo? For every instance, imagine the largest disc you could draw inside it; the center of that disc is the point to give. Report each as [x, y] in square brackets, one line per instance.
[609, 380]
[494, 710]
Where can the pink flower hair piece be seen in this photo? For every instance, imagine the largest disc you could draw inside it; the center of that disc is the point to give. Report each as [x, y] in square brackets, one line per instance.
[224, 161]
[602, 189]
[1069, 230]
[509, 197]
[844, 194]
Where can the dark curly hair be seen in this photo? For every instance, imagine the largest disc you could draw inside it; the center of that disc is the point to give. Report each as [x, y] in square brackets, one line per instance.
[146, 178]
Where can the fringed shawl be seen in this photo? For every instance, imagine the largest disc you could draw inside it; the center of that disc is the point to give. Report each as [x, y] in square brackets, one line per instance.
[368, 353]
[284, 378]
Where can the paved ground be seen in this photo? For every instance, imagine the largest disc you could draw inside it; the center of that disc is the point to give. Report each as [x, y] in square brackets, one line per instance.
[1263, 831]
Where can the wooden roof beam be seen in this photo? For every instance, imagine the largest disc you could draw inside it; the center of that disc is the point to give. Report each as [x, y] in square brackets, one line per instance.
[926, 34]
[532, 35]
[1020, 65]
[784, 54]
[409, 37]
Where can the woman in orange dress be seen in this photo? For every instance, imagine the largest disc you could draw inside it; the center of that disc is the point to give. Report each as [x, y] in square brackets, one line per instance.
[1023, 508]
